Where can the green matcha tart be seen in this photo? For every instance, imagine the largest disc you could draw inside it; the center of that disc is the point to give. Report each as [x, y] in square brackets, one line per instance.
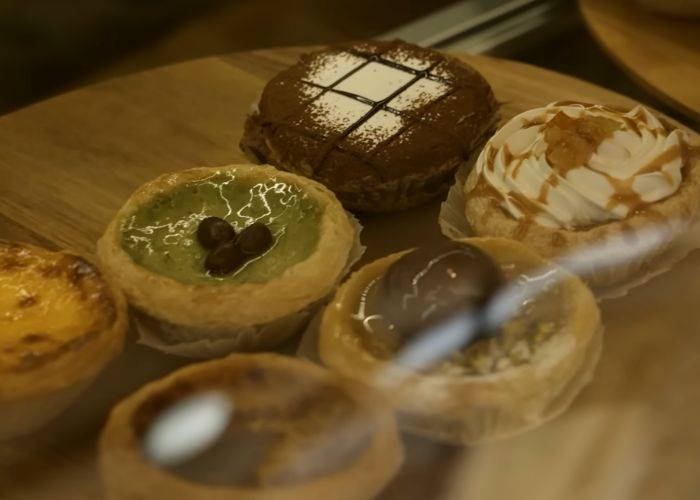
[227, 258]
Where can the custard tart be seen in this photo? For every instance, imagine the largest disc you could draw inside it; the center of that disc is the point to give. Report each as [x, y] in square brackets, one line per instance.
[60, 324]
[278, 428]
[227, 258]
[604, 190]
[471, 340]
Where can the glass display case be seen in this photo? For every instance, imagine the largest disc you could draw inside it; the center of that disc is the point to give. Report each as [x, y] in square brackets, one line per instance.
[456, 266]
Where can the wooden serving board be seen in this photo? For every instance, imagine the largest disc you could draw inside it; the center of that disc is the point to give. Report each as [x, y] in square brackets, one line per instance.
[67, 164]
[660, 52]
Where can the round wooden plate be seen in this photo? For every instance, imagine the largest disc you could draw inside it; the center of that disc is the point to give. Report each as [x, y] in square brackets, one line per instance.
[67, 164]
[660, 52]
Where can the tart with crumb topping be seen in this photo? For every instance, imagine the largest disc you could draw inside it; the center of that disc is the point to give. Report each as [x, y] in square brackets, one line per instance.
[227, 258]
[60, 324]
[604, 190]
[472, 340]
[279, 428]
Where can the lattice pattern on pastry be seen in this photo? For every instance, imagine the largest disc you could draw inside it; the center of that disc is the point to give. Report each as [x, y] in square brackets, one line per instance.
[364, 98]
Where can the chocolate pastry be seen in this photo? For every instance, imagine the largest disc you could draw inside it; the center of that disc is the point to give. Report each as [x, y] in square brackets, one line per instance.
[444, 383]
[255, 239]
[382, 124]
[229, 253]
[213, 231]
[428, 285]
[224, 259]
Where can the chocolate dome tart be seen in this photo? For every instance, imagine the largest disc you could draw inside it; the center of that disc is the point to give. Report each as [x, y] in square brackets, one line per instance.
[227, 258]
[604, 190]
[61, 322]
[383, 124]
[472, 341]
[279, 428]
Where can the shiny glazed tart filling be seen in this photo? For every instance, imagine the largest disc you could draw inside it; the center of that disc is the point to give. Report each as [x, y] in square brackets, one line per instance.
[420, 292]
[50, 304]
[161, 235]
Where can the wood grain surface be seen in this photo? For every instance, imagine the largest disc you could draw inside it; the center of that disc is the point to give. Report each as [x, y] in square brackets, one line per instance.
[67, 164]
[660, 52]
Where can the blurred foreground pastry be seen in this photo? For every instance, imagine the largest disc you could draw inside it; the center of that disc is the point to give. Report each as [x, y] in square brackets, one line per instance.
[383, 124]
[250, 427]
[604, 190]
[60, 324]
[472, 340]
[227, 258]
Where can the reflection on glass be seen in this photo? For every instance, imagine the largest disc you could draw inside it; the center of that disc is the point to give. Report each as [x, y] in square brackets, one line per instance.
[187, 428]
[281, 432]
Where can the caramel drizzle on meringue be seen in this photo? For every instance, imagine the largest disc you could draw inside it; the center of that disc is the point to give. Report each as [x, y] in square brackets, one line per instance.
[551, 182]
[571, 142]
[518, 159]
[626, 195]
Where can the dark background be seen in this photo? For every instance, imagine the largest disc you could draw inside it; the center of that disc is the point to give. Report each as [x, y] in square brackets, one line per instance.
[50, 46]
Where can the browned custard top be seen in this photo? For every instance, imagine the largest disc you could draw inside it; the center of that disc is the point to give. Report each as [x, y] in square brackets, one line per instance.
[50, 304]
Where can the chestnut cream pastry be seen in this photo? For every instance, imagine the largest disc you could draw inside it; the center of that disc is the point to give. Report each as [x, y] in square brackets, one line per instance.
[572, 175]
[230, 256]
[383, 124]
[60, 324]
[277, 428]
[472, 340]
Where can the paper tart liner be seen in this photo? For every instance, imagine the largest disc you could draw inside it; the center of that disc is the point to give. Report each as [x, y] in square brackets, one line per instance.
[453, 224]
[308, 345]
[674, 253]
[201, 343]
[177, 339]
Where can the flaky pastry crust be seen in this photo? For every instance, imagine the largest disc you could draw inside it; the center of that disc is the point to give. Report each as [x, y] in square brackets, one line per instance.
[225, 306]
[660, 224]
[37, 384]
[127, 474]
[465, 409]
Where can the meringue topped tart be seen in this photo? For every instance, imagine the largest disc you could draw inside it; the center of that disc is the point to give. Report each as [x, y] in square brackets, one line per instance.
[471, 340]
[571, 174]
[61, 323]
